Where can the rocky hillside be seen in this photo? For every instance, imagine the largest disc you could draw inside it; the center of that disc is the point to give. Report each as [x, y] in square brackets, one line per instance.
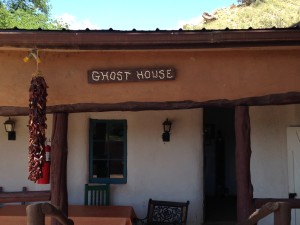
[260, 14]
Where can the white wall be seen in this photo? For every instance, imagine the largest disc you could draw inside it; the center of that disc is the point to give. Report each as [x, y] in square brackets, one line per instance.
[269, 150]
[14, 155]
[164, 171]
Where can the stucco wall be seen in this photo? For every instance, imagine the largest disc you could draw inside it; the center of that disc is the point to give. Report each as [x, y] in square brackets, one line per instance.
[169, 171]
[269, 171]
[14, 155]
[201, 75]
[165, 171]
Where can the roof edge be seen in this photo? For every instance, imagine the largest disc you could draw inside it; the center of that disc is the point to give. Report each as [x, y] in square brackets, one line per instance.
[127, 40]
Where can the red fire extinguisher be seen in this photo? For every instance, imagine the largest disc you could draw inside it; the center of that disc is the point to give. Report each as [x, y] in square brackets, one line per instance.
[45, 179]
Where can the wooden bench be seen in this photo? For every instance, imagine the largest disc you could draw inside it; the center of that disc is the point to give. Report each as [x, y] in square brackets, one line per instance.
[165, 213]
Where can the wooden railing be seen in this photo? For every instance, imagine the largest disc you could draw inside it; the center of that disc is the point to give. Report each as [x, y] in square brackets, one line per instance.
[294, 202]
[281, 210]
[24, 196]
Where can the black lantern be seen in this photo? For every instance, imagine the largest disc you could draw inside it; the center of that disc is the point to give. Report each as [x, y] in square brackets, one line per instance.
[10, 129]
[167, 124]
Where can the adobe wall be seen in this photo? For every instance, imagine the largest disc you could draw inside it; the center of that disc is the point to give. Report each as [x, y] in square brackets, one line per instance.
[200, 75]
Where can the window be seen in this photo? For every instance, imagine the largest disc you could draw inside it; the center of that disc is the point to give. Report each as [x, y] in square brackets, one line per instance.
[108, 151]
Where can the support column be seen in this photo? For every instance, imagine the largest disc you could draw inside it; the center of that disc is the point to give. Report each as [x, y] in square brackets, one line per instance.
[59, 154]
[245, 203]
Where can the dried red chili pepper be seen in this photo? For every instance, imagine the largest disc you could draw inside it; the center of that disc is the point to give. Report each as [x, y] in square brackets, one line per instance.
[37, 126]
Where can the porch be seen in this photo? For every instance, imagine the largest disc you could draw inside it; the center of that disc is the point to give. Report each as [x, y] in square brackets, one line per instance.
[237, 69]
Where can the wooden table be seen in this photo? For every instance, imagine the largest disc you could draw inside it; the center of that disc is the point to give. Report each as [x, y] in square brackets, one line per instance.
[81, 215]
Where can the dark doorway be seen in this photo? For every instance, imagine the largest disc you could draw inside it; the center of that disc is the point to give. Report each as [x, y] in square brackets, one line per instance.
[219, 165]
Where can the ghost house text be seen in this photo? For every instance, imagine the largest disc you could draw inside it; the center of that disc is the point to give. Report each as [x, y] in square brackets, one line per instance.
[127, 75]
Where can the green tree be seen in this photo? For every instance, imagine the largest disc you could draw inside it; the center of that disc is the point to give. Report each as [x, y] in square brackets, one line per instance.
[28, 5]
[28, 14]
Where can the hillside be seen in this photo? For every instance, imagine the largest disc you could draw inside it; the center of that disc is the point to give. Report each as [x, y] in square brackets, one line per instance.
[260, 14]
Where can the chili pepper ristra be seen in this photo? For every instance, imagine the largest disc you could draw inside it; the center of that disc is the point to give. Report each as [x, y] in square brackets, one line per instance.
[37, 126]
[37, 122]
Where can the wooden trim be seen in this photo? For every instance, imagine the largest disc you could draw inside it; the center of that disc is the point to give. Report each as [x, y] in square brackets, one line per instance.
[272, 99]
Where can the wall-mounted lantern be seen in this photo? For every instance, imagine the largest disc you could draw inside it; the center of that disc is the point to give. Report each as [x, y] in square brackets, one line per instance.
[167, 124]
[10, 129]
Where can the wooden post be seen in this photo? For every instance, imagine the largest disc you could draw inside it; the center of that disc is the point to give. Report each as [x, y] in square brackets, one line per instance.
[245, 203]
[59, 153]
[24, 189]
[283, 215]
[35, 215]
[1, 189]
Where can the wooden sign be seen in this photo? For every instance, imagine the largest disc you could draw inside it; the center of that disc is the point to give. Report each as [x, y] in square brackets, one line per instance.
[131, 75]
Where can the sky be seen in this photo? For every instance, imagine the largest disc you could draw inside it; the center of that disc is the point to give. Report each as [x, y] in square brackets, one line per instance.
[133, 14]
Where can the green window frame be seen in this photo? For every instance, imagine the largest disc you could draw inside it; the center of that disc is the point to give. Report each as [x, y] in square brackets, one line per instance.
[108, 151]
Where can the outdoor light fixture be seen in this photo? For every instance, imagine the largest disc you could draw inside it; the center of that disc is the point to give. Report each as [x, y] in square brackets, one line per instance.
[10, 129]
[167, 124]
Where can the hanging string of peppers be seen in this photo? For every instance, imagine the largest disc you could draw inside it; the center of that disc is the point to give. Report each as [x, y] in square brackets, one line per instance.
[37, 123]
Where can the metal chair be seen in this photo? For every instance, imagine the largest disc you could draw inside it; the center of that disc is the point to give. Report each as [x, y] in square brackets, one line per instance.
[96, 194]
[165, 213]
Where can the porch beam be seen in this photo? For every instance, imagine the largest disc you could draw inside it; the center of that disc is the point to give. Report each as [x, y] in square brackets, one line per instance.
[273, 99]
[245, 203]
[59, 154]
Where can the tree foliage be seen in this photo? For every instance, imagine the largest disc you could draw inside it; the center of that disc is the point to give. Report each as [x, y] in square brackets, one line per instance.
[27, 14]
[28, 5]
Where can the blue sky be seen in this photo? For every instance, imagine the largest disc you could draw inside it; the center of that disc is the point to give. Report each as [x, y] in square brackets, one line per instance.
[129, 14]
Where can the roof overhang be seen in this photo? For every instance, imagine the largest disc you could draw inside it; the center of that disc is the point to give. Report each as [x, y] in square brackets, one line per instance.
[144, 40]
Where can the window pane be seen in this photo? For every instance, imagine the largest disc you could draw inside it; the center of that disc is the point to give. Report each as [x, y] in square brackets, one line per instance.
[100, 169]
[116, 132]
[116, 150]
[99, 150]
[108, 151]
[100, 131]
[116, 169]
